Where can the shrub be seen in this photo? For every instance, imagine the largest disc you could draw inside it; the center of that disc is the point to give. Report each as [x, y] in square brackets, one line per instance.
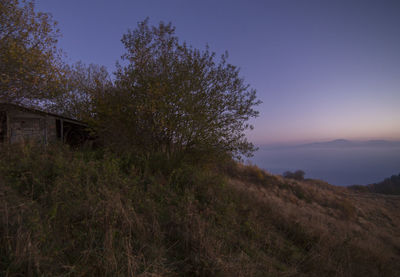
[297, 175]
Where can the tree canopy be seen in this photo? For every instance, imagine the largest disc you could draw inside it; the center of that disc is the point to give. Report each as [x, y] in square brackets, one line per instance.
[84, 83]
[30, 63]
[166, 96]
[172, 98]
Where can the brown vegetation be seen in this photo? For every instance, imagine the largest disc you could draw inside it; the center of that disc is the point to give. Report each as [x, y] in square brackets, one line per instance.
[88, 213]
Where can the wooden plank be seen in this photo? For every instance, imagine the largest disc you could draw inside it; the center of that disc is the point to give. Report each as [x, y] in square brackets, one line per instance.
[8, 128]
[62, 130]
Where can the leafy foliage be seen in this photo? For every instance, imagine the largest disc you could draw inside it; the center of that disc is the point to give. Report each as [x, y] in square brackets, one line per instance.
[30, 64]
[173, 99]
[84, 84]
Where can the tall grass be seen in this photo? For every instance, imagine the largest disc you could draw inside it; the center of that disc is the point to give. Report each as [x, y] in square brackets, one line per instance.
[88, 213]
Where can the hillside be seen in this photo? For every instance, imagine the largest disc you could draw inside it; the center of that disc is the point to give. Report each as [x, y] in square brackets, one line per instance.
[90, 213]
[389, 186]
[346, 222]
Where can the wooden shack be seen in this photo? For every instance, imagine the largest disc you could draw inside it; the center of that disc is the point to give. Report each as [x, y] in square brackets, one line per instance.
[19, 124]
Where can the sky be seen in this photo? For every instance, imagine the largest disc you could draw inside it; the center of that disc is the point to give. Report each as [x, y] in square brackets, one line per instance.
[323, 69]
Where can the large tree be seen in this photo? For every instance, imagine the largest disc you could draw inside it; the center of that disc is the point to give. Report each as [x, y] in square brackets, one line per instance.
[172, 98]
[30, 64]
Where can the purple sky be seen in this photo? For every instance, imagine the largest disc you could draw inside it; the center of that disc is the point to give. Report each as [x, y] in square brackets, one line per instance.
[324, 69]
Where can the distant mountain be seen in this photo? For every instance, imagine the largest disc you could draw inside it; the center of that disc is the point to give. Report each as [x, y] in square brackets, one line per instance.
[352, 143]
[336, 142]
[343, 143]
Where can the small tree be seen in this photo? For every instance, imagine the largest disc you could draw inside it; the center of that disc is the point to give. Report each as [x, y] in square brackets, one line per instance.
[174, 99]
[30, 64]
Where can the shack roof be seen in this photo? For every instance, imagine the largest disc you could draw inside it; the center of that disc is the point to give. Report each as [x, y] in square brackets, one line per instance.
[32, 110]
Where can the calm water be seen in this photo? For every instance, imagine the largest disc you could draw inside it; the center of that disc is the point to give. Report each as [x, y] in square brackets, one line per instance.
[336, 165]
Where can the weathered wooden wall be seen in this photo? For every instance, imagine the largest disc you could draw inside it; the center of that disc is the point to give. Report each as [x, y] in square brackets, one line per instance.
[26, 126]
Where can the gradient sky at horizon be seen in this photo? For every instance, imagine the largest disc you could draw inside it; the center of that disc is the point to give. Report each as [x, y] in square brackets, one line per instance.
[323, 69]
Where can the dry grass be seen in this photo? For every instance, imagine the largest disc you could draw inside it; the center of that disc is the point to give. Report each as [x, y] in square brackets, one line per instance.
[356, 228]
[65, 213]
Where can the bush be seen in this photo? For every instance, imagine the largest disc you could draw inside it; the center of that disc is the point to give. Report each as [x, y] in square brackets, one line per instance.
[173, 99]
[297, 175]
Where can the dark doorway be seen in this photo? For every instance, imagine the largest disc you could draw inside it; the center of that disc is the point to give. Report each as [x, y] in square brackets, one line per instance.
[58, 129]
[75, 134]
[3, 126]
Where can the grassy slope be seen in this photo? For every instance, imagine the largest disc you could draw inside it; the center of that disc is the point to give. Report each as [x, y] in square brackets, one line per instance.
[65, 213]
[390, 186]
[360, 230]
